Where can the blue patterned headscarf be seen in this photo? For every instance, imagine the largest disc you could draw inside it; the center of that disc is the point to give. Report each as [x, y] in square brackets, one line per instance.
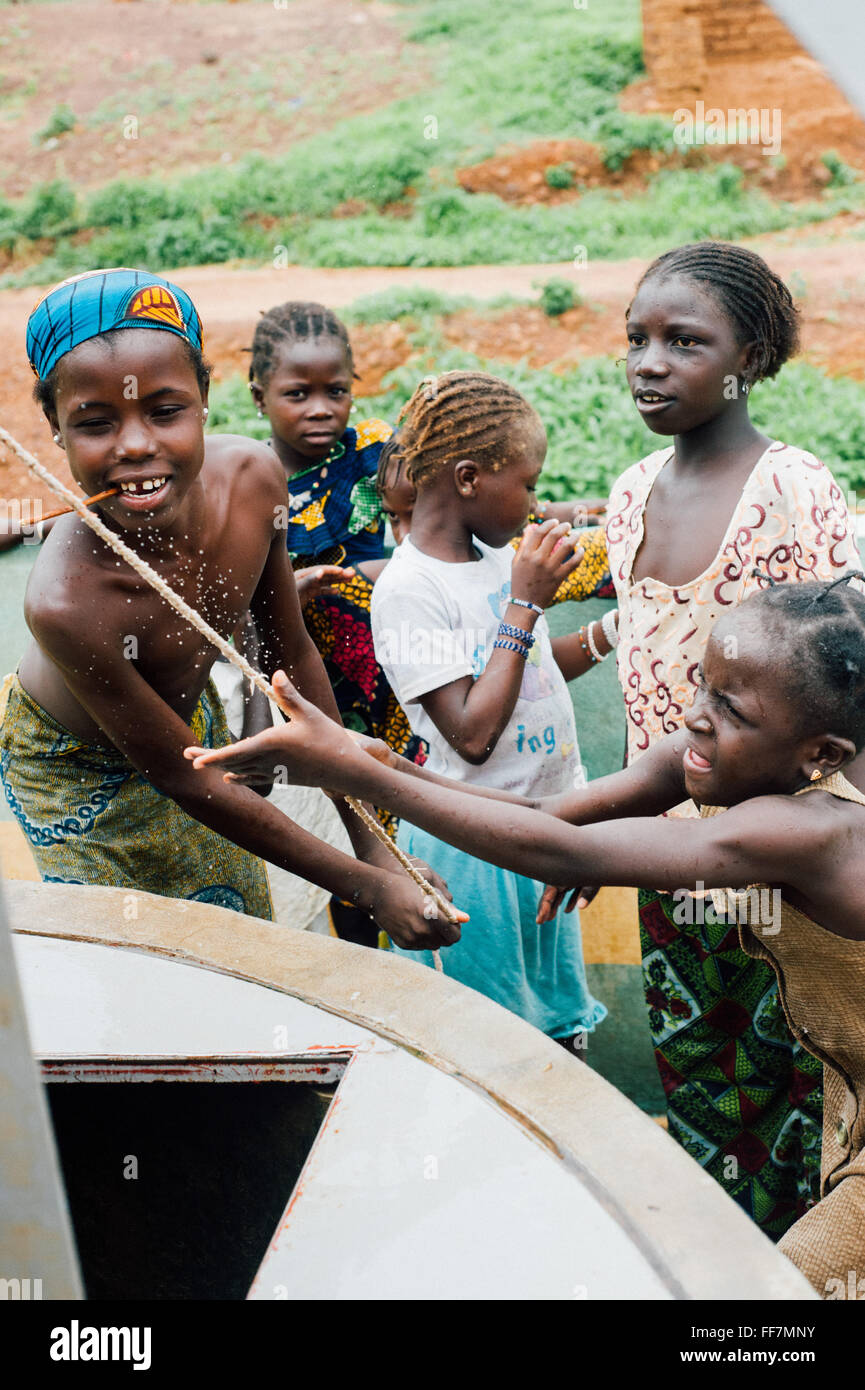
[99, 301]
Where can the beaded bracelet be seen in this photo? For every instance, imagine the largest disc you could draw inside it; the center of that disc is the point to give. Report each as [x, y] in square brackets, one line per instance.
[519, 634]
[524, 603]
[610, 627]
[593, 646]
[584, 637]
[508, 646]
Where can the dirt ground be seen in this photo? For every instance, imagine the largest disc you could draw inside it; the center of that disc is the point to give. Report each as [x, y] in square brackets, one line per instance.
[823, 265]
[205, 83]
[211, 82]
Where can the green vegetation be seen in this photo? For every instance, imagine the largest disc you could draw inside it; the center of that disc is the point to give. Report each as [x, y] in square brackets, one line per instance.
[62, 118]
[557, 296]
[504, 74]
[559, 175]
[594, 432]
[400, 302]
[842, 174]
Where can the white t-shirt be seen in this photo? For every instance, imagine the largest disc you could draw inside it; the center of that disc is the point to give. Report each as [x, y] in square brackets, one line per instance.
[434, 622]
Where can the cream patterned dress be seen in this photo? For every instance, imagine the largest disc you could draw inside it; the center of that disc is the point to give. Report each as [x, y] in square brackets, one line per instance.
[791, 520]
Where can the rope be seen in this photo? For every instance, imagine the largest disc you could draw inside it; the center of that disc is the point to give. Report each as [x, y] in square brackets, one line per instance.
[229, 652]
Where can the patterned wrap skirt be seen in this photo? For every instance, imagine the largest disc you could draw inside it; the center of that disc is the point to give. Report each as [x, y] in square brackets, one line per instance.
[743, 1096]
[90, 817]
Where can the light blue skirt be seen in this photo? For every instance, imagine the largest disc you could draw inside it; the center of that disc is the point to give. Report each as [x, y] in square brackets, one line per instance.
[535, 971]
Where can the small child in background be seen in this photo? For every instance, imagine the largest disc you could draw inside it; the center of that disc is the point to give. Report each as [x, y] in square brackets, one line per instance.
[459, 630]
[301, 377]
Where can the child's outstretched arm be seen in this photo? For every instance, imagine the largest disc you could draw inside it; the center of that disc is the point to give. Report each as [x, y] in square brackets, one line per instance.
[655, 783]
[88, 650]
[768, 839]
[472, 714]
[286, 643]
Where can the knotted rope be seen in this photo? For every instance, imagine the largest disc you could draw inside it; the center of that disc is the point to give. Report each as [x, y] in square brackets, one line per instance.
[228, 651]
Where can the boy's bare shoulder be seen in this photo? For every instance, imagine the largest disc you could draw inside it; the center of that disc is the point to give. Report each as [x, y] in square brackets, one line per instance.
[64, 581]
[245, 461]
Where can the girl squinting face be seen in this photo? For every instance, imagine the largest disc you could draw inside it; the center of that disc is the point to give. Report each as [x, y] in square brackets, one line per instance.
[745, 734]
[685, 362]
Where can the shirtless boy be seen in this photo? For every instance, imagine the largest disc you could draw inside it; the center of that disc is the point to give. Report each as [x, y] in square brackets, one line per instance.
[105, 698]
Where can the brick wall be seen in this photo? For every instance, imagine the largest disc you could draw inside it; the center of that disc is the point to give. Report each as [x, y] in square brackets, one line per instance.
[682, 37]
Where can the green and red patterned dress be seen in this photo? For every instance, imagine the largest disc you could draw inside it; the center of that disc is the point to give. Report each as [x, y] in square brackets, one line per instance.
[743, 1096]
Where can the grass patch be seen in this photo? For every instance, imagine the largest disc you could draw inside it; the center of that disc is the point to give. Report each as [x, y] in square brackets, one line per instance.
[503, 74]
[217, 217]
[61, 120]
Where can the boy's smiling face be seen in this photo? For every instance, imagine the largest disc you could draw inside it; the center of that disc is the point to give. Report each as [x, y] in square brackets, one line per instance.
[129, 411]
[683, 355]
[307, 397]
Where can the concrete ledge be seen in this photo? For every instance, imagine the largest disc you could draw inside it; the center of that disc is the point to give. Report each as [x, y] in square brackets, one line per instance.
[700, 1243]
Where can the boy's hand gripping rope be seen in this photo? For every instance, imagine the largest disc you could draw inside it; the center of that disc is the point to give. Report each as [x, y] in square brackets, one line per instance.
[230, 653]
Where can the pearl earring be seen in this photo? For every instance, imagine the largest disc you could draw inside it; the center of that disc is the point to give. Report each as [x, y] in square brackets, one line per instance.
[260, 413]
[205, 412]
[57, 439]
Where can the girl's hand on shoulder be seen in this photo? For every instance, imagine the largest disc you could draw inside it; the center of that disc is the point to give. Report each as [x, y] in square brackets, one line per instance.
[312, 583]
[545, 558]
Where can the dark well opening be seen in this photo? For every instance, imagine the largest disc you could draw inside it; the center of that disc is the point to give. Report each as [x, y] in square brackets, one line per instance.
[216, 1163]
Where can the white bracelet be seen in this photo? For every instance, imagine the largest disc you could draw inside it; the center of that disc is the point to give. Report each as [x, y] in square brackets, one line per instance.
[524, 603]
[593, 646]
[610, 628]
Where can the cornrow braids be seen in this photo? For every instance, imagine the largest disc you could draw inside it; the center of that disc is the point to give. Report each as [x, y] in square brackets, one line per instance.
[459, 415]
[820, 632]
[296, 321]
[391, 454]
[756, 300]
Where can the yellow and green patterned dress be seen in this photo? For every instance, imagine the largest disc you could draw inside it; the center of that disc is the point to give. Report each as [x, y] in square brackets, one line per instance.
[90, 817]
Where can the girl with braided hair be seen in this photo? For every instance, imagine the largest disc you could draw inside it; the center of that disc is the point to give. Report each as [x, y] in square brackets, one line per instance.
[301, 375]
[776, 734]
[457, 619]
[687, 527]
